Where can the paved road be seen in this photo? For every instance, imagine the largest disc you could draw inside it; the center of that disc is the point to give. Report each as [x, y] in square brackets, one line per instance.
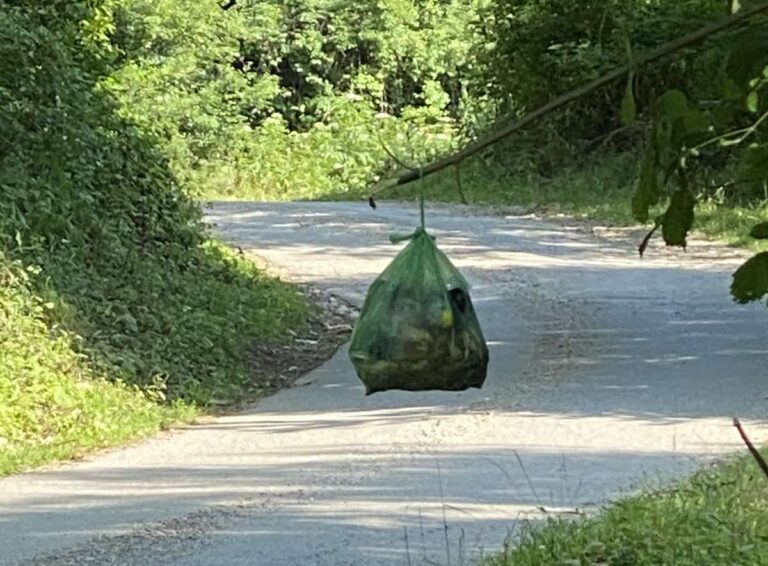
[606, 372]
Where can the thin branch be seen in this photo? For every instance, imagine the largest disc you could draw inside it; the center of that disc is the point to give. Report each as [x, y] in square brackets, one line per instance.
[727, 138]
[748, 132]
[659, 53]
[755, 454]
[395, 158]
[603, 139]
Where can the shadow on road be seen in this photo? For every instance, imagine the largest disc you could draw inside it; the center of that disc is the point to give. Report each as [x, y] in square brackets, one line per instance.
[605, 370]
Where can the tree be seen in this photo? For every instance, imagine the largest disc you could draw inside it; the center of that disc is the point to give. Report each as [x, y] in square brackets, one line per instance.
[710, 139]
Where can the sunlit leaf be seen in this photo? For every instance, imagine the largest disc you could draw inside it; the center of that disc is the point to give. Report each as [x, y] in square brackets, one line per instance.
[752, 101]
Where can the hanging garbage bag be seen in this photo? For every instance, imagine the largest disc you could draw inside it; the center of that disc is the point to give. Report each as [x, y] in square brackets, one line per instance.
[418, 329]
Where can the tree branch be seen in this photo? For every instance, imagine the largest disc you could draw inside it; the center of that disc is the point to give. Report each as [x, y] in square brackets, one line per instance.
[755, 454]
[728, 139]
[666, 49]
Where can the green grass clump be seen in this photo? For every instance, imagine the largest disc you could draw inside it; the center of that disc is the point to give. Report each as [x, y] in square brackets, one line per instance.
[54, 405]
[95, 357]
[730, 223]
[719, 516]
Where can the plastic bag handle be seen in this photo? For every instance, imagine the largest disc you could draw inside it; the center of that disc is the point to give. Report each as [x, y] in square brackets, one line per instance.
[398, 238]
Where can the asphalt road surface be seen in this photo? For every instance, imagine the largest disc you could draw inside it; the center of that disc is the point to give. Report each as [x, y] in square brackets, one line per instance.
[607, 373]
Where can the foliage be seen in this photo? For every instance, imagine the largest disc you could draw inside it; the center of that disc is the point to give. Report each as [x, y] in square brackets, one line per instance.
[536, 50]
[709, 142]
[543, 48]
[54, 405]
[106, 272]
[282, 99]
[719, 516]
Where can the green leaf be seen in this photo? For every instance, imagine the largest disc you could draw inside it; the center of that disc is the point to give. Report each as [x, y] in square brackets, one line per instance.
[760, 231]
[678, 219]
[730, 90]
[753, 164]
[628, 105]
[752, 101]
[695, 122]
[673, 104]
[750, 282]
[648, 190]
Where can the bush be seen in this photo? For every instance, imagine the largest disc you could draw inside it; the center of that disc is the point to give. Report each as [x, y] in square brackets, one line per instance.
[111, 296]
[538, 50]
[283, 99]
[54, 403]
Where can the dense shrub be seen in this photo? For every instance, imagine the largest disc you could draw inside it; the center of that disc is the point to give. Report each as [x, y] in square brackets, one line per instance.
[105, 271]
[278, 99]
[537, 50]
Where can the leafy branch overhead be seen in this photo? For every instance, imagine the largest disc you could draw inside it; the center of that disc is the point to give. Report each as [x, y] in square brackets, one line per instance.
[510, 128]
[693, 141]
[715, 139]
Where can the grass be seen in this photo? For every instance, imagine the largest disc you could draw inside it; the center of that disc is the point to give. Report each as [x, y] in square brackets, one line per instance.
[731, 224]
[94, 356]
[719, 516]
[54, 405]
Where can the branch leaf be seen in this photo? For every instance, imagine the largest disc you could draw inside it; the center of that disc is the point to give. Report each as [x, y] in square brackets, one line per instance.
[648, 191]
[678, 219]
[628, 104]
[760, 231]
[750, 282]
[752, 102]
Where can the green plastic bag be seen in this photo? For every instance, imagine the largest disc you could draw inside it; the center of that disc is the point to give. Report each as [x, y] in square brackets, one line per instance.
[418, 329]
